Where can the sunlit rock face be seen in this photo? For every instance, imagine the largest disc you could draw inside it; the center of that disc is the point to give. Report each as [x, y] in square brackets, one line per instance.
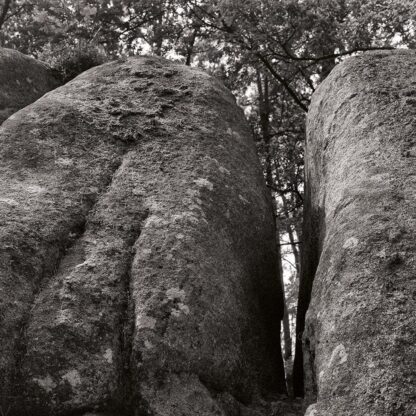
[137, 267]
[22, 81]
[359, 352]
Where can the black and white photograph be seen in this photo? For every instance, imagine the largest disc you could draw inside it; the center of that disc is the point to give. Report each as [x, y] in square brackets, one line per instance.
[207, 208]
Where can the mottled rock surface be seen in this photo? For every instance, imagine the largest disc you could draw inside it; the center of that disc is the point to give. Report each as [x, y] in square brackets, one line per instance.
[22, 81]
[137, 265]
[359, 339]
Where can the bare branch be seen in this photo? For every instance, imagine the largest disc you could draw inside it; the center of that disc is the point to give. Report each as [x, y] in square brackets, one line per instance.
[337, 55]
[282, 81]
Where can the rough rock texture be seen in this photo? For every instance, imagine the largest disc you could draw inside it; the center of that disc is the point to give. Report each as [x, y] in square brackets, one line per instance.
[22, 81]
[359, 339]
[137, 266]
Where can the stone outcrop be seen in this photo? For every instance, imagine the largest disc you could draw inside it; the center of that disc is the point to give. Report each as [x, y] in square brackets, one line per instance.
[22, 81]
[137, 265]
[359, 351]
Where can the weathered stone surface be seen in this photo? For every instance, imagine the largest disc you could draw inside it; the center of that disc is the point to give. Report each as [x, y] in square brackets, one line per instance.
[22, 81]
[137, 267]
[359, 340]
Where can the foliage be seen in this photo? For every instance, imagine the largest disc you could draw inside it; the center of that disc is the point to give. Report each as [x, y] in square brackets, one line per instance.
[72, 61]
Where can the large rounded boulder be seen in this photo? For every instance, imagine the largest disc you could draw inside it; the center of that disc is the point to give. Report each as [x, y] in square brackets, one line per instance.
[359, 352]
[137, 267]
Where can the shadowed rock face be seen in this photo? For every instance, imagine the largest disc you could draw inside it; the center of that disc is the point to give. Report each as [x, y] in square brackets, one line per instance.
[137, 266]
[359, 349]
[22, 81]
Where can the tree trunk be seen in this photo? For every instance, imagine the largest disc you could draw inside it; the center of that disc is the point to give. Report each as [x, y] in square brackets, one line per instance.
[190, 47]
[289, 230]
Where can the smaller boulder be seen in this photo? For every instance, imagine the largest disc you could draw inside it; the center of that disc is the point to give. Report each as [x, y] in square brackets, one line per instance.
[22, 81]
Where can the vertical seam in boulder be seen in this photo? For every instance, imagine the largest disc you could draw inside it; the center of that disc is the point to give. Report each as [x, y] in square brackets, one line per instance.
[79, 228]
[20, 343]
[127, 330]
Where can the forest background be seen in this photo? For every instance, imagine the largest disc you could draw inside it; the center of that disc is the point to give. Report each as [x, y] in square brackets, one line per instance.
[271, 53]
